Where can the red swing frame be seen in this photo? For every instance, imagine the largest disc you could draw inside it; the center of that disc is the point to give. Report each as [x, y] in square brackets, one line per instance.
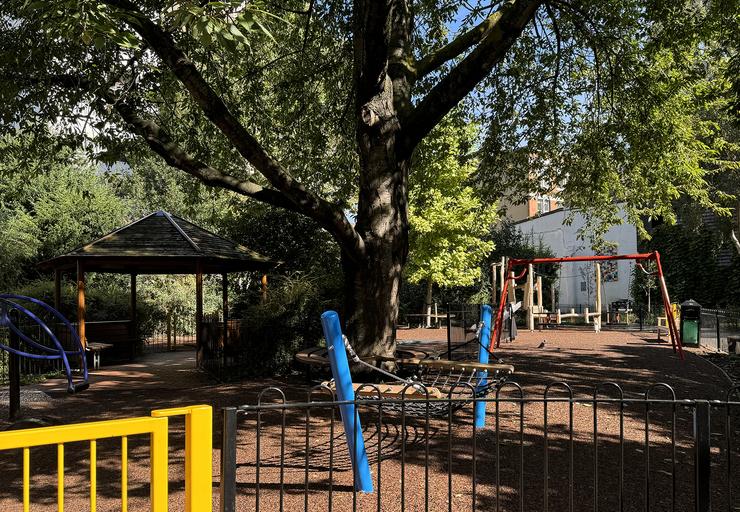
[654, 256]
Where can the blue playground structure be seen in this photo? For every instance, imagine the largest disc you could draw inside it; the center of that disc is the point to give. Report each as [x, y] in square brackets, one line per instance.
[30, 328]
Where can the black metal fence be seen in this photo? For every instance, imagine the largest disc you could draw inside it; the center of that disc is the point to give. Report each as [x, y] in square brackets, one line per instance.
[719, 328]
[462, 328]
[226, 358]
[174, 333]
[552, 450]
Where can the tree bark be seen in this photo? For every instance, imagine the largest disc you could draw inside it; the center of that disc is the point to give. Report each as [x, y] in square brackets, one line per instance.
[371, 304]
[372, 285]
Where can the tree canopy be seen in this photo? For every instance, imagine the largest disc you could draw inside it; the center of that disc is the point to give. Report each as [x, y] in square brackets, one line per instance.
[605, 97]
[51, 200]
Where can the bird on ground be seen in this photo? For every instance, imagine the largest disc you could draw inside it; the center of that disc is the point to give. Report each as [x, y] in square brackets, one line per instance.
[542, 345]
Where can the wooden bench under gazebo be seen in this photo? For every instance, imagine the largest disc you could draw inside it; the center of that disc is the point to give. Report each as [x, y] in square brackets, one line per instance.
[159, 243]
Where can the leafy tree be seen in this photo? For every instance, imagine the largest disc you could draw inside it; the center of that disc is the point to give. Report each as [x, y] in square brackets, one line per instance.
[448, 221]
[148, 184]
[306, 107]
[297, 242]
[654, 133]
[690, 260]
[645, 285]
[51, 200]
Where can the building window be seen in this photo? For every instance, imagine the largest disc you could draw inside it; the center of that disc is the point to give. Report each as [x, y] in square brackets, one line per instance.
[583, 286]
[543, 205]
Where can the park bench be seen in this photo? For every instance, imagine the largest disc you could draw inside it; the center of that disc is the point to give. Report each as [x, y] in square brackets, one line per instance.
[95, 348]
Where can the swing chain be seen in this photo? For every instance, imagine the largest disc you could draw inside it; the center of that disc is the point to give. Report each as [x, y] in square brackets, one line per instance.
[353, 355]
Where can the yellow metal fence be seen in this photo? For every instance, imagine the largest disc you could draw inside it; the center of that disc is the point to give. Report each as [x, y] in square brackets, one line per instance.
[198, 446]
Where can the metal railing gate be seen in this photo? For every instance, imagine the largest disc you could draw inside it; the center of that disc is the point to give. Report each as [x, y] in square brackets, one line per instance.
[552, 451]
[198, 445]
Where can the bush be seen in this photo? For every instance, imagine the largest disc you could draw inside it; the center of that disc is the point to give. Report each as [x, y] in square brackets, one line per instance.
[159, 295]
[105, 300]
[288, 321]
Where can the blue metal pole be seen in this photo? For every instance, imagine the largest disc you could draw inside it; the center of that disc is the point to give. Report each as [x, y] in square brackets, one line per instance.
[345, 392]
[485, 336]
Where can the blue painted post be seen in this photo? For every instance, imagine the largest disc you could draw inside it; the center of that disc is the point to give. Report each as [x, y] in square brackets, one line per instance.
[345, 392]
[485, 336]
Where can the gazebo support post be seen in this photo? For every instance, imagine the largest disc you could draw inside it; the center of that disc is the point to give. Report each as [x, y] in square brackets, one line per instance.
[133, 317]
[81, 303]
[57, 289]
[199, 349]
[225, 300]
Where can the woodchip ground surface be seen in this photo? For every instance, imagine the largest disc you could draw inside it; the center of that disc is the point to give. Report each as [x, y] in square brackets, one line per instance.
[581, 358]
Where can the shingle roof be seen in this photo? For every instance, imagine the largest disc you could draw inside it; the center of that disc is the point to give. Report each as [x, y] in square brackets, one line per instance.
[161, 243]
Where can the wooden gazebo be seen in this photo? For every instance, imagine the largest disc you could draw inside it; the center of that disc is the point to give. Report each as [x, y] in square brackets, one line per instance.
[159, 243]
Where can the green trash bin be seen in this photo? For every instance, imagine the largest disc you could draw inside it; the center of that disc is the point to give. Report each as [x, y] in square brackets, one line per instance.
[690, 323]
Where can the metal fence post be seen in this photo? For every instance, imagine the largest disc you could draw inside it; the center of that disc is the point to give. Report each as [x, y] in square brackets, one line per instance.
[228, 460]
[702, 462]
[719, 339]
[159, 478]
[449, 333]
[198, 454]
[14, 376]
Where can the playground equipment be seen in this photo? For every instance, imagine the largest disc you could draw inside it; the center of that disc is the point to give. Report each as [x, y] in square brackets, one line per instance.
[534, 307]
[535, 310]
[432, 382]
[38, 332]
[443, 386]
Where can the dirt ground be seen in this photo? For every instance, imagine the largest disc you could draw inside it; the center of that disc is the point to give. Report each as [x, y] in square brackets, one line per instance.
[409, 459]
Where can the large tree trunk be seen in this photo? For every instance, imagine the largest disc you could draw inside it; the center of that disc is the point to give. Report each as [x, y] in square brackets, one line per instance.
[373, 281]
[372, 285]
[371, 302]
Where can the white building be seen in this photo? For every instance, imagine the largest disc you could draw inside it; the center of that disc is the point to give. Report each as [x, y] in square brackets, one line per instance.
[577, 283]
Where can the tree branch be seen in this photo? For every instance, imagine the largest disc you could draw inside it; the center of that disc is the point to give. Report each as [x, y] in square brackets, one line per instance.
[161, 143]
[556, 78]
[330, 216]
[508, 23]
[456, 47]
